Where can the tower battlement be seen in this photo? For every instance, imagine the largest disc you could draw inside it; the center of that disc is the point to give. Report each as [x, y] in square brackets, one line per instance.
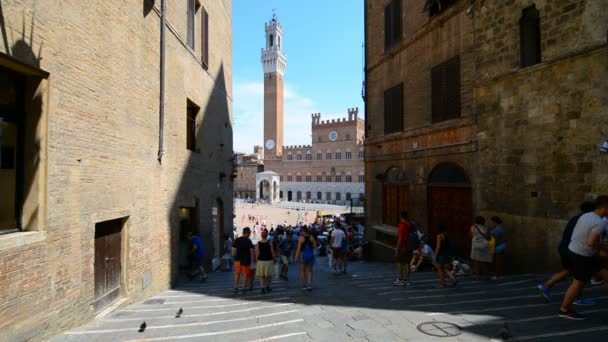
[353, 115]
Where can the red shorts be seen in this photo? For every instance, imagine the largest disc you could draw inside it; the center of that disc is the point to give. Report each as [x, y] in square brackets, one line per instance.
[336, 251]
[251, 273]
[238, 268]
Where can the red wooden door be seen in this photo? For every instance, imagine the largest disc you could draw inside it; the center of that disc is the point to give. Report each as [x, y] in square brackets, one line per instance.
[452, 207]
[108, 241]
[396, 198]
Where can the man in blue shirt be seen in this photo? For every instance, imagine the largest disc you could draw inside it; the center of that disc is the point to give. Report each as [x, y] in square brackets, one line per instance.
[197, 252]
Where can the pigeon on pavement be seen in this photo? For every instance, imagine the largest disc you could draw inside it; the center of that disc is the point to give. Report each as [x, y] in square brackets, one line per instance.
[179, 313]
[142, 327]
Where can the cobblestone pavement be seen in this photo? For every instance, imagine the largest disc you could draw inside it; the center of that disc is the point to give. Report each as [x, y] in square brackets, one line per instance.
[359, 306]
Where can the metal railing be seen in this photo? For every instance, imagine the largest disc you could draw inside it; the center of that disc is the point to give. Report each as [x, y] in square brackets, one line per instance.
[306, 206]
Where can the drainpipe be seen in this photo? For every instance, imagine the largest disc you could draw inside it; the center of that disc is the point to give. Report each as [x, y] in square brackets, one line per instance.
[161, 113]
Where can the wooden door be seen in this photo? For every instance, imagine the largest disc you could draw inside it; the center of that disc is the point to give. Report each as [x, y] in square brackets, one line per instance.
[452, 207]
[396, 198]
[108, 242]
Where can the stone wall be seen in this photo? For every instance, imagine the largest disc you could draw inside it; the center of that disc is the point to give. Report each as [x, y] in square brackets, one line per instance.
[98, 156]
[540, 127]
[539, 136]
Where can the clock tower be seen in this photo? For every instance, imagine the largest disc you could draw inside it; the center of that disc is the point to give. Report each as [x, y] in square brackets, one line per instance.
[274, 62]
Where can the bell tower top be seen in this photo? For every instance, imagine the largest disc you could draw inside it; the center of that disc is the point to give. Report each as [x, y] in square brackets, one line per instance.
[274, 59]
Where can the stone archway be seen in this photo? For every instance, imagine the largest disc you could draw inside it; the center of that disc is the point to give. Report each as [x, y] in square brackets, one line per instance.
[450, 204]
[268, 186]
[265, 190]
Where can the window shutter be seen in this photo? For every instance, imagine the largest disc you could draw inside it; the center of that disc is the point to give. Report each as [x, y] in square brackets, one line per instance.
[437, 93]
[205, 38]
[398, 108]
[397, 15]
[393, 109]
[388, 108]
[452, 88]
[190, 36]
[387, 26]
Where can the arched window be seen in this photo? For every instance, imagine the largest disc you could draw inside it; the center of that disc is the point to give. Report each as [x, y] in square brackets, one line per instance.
[289, 156]
[349, 177]
[298, 177]
[349, 154]
[361, 177]
[308, 177]
[347, 136]
[338, 177]
[308, 155]
[328, 155]
[299, 157]
[338, 155]
[529, 37]
[319, 177]
[319, 155]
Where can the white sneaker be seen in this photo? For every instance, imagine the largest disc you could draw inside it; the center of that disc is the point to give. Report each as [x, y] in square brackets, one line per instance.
[596, 282]
[407, 283]
[399, 282]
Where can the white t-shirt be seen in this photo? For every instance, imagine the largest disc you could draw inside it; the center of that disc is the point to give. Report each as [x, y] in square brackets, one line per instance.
[428, 252]
[337, 236]
[587, 223]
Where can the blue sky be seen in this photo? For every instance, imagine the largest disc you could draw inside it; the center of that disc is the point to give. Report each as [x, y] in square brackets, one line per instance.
[322, 40]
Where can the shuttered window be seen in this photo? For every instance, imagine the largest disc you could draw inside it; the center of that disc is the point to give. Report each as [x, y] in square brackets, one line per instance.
[445, 90]
[529, 37]
[392, 24]
[205, 38]
[393, 109]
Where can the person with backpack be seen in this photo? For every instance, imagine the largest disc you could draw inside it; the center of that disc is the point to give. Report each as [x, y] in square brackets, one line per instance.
[407, 242]
[480, 247]
[545, 289]
[306, 246]
[443, 256]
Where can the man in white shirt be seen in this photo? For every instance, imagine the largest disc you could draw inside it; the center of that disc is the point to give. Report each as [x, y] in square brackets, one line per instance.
[337, 238]
[584, 245]
[424, 253]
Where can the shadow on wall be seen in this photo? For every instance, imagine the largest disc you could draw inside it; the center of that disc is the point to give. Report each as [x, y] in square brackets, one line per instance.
[148, 7]
[21, 106]
[207, 175]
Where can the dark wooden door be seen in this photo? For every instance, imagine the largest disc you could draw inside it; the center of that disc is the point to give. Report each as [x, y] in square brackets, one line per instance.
[396, 198]
[108, 241]
[452, 207]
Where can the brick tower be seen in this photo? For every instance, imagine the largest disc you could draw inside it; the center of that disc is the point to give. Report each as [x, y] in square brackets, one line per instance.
[274, 62]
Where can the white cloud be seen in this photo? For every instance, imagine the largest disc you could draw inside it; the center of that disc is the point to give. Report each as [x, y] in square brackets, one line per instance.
[249, 116]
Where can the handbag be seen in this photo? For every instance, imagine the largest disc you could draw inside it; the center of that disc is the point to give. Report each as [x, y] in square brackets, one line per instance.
[482, 234]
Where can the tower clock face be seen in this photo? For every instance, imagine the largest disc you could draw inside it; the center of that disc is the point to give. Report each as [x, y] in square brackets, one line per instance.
[270, 144]
[333, 136]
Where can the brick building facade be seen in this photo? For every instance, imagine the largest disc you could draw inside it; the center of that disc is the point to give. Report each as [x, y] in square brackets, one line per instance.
[489, 120]
[94, 210]
[247, 166]
[330, 169]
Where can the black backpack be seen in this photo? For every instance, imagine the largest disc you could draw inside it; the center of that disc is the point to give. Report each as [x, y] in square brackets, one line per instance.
[413, 240]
